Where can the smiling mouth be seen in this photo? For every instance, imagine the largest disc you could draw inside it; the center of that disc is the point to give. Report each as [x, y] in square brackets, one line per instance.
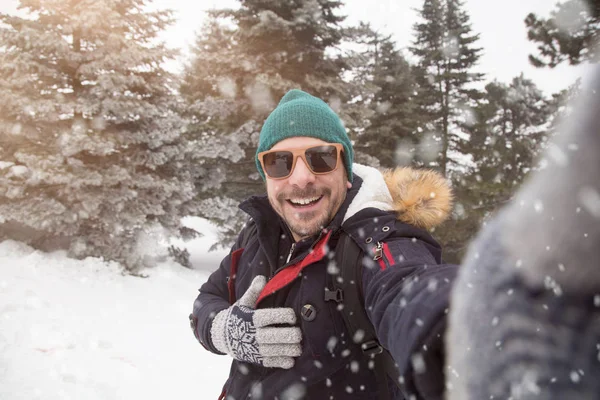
[304, 202]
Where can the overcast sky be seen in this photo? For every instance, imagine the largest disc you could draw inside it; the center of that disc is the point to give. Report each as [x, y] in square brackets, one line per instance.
[500, 24]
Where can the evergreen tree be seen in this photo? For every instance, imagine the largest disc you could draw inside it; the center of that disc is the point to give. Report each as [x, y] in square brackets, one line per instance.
[444, 47]
[571, 33]
[512, 125]
[513, 122]
[386, 87]
[91, 141]
[358, 59]
[243, 61]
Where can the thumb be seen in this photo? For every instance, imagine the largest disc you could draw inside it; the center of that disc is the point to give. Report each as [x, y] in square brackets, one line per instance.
[249, 298]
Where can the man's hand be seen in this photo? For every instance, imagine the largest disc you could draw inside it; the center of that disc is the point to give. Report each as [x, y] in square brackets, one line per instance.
[255, 336]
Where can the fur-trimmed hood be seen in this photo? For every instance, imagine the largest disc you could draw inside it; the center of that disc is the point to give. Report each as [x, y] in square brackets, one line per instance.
[422, 198]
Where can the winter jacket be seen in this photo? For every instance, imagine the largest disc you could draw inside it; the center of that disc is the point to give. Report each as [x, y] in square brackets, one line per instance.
[405, 292]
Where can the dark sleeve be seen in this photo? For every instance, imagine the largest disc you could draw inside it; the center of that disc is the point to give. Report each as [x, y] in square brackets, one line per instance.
[213, 297]
[407, 303]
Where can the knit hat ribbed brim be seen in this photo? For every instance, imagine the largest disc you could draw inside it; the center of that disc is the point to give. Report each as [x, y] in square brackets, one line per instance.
[300, 114]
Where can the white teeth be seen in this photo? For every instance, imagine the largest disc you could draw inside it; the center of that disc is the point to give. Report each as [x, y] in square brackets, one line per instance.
[304, 201]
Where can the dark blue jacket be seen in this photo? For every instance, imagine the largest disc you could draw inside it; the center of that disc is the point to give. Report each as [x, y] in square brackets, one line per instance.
[405, 292]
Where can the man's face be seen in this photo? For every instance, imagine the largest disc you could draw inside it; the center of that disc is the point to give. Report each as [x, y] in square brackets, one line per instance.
[324, 193]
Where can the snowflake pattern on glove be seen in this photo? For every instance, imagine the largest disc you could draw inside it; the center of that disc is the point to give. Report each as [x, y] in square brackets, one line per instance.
[256, 336]
[242, 335]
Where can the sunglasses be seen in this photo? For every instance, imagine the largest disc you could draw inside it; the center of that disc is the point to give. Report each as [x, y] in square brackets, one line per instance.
[279, 164]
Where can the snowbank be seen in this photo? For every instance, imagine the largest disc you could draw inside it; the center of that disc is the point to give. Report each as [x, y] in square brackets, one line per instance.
[81, 330]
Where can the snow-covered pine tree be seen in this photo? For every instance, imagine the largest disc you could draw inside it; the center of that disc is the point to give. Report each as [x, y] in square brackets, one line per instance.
[446, 57]
[91, 151]
[243, 61]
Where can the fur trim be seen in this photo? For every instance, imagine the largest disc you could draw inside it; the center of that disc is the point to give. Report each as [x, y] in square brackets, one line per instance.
[422, 198]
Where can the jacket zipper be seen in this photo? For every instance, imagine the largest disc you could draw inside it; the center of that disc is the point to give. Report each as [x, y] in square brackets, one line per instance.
[379, 254]
[291, 253]
[286, 261]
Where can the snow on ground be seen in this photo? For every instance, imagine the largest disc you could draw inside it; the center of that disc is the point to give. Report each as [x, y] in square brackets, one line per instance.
[74, 329]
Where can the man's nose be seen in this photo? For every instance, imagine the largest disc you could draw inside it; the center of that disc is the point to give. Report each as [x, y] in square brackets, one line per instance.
[301, 175]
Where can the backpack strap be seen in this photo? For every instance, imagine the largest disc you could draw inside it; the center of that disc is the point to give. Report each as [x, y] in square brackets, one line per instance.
[348, 292]
[235, 258]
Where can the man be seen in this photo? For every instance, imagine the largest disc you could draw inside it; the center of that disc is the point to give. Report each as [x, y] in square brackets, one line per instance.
[267, 304]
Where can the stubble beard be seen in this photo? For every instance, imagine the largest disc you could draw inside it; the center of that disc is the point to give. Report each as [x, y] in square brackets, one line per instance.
[300, 224]
[309, 229]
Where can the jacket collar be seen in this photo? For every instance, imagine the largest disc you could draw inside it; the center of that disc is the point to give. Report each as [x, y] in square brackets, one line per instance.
[269, 233]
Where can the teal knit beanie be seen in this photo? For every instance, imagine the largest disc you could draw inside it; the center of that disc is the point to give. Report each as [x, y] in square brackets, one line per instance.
[300, 114]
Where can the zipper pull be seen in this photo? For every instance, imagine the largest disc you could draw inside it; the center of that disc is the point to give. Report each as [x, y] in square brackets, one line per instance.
[291, 252]
[378, 251]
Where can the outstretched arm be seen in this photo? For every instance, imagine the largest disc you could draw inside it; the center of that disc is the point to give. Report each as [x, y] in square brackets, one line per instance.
[407, 303]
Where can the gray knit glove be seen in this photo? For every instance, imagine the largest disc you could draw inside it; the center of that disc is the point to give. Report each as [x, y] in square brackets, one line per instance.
[249, 335]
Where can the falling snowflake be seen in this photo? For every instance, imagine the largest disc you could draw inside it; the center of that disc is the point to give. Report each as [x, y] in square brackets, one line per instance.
[296, 391]
[418, 363]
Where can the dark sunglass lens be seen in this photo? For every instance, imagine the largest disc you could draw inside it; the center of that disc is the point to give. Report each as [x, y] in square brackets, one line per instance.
[322, 159]
[278, 163]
